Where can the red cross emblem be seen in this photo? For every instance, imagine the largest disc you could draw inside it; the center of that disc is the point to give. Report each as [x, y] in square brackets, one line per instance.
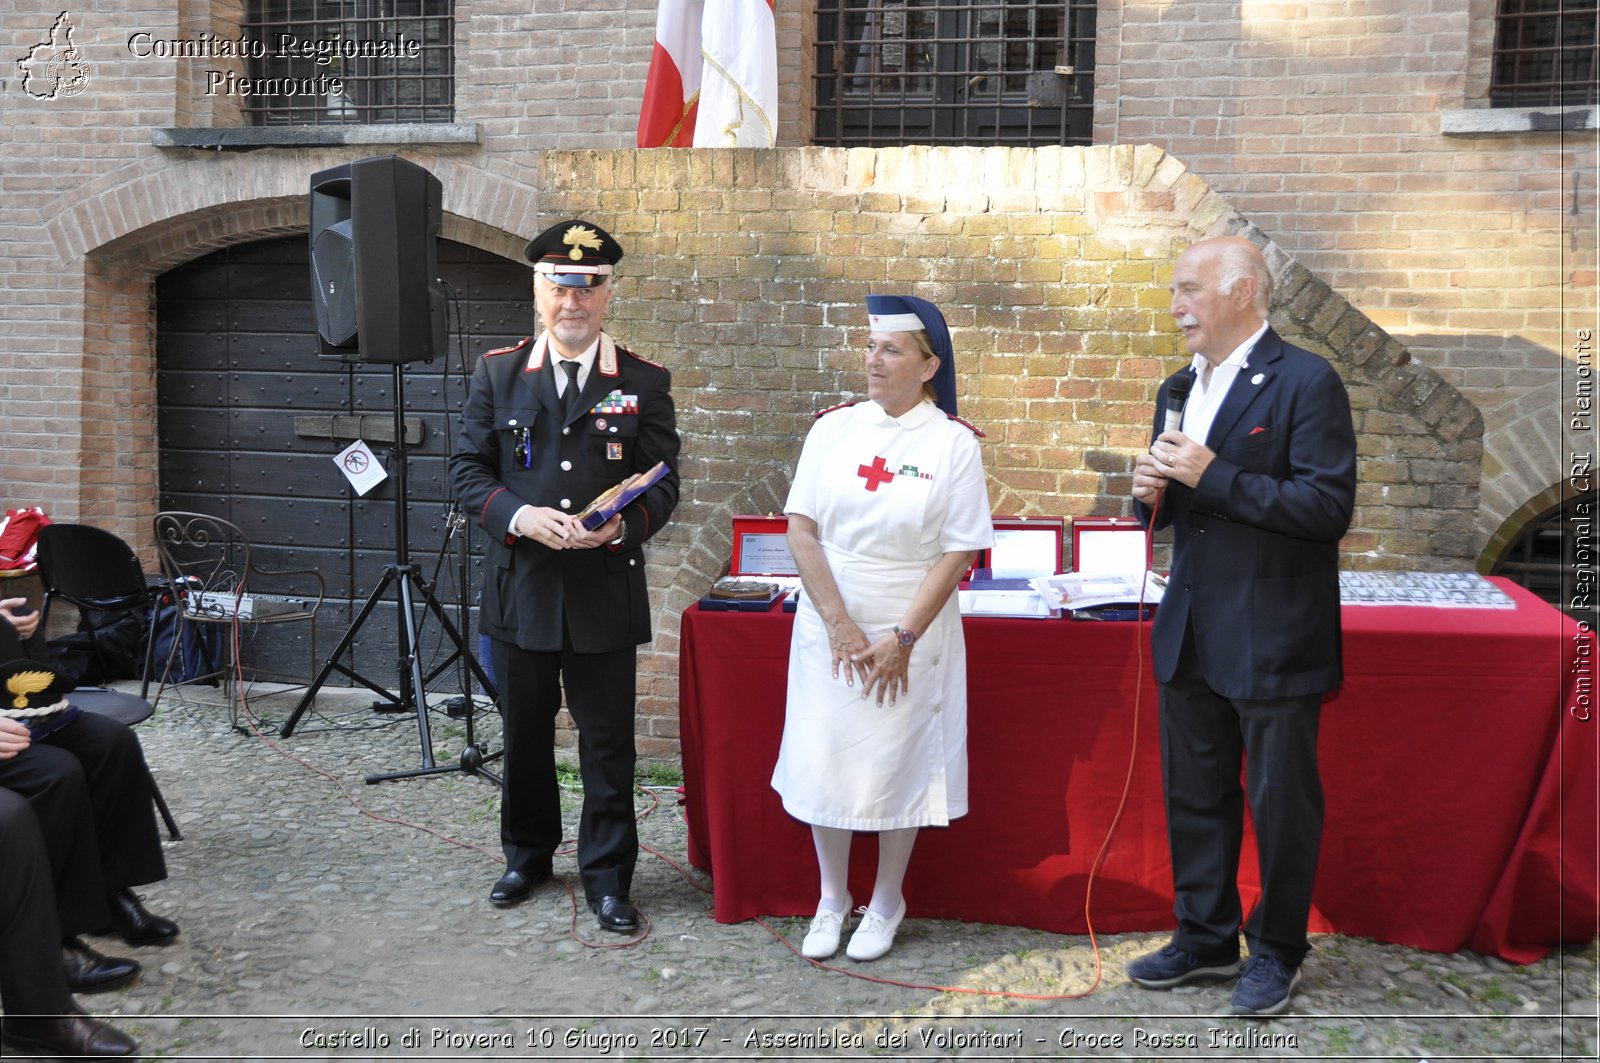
[875, 474]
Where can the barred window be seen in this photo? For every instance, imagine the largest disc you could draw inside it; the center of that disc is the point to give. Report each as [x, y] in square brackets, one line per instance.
[327, 62]
[1545, 558]
[892, 72]
[1544, 54]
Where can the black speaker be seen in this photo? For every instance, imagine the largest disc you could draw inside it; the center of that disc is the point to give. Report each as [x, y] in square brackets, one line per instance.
[375, 285]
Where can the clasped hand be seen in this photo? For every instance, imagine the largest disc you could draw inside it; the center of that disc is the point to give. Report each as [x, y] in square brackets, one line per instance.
[20, 614]
[1173, 456]
[562, 531]
[881, 664]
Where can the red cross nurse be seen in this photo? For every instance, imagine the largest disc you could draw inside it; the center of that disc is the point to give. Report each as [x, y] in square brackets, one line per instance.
[886, 512]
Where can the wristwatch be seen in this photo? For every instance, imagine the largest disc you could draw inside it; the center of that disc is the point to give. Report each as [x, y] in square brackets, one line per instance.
[904, 637]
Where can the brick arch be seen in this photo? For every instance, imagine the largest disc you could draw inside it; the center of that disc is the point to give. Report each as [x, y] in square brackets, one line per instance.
[117, 211]
[1532, 445]
[1556, 494]
[130, 233]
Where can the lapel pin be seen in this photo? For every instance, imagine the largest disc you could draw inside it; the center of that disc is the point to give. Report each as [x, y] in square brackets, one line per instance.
[1258, 378]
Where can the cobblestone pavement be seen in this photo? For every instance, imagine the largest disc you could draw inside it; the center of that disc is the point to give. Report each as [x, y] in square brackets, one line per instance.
[320, 923]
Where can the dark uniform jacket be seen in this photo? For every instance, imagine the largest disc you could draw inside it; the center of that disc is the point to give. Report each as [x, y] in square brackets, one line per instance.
[625, 425]
[1255, 558]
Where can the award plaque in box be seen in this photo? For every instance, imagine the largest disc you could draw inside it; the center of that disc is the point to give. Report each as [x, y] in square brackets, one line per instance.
[761, 548]
[1025, 547]
[742, 595]
[1107, 544]
[613, 499]
[761, 557]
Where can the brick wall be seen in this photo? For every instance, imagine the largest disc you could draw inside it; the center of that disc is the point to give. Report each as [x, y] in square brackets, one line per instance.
[746, 274]
[1319, 120]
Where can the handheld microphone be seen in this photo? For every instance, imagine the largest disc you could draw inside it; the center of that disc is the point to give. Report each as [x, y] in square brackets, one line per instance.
[1178, 388]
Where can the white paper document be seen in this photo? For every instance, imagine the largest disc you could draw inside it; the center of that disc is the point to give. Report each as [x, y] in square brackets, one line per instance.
[1087, 590]
[1026, 604]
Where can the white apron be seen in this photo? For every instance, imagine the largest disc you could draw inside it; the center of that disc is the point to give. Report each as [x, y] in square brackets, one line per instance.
[846, 762]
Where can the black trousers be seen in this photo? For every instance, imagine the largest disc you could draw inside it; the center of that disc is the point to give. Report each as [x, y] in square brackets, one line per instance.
[600, 699]
[101, 834]
[1204, 736]
[32, 981]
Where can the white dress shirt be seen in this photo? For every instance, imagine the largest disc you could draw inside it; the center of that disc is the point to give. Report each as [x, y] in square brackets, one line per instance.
[585, 364]
[1206, 398]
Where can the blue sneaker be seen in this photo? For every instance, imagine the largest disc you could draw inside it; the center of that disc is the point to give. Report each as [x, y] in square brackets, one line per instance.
[1171, 965]
[1265, 986]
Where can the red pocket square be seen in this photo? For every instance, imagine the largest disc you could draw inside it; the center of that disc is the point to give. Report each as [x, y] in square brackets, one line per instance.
[1257, 430]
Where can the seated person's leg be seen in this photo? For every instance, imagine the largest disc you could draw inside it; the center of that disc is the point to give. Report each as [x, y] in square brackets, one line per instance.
[30, 982]
[125, 820]
[52, 781]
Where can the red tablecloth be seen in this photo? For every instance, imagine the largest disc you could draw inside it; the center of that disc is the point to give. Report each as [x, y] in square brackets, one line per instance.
[1460, 780]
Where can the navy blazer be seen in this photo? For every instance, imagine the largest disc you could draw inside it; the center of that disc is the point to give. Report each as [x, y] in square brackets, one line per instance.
[1255, 562]
[533, 595]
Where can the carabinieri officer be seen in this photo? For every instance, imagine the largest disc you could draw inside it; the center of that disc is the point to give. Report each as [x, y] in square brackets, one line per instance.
[548, 425]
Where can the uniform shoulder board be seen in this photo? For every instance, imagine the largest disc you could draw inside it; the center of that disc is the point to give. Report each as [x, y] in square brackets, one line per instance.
[830, 409]
[966, 424]
[623, 350]
[515, 347]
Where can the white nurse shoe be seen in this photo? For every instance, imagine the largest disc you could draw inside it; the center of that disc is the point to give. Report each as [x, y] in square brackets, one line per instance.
[822, 939]
[875, 934]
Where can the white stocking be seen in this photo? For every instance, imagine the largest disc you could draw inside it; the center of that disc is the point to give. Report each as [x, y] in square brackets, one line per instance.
[833, 862]
[894, 853]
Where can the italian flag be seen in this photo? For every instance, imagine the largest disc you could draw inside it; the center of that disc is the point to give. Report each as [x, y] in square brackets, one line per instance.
[713, 78]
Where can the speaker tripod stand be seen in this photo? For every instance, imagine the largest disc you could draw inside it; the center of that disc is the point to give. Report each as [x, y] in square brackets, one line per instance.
[405, 580]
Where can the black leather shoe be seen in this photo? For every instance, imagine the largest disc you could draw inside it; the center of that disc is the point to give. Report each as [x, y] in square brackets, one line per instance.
[89, 972]
[68, 1035]
[513, 887]
[136, 926]
[616, 914]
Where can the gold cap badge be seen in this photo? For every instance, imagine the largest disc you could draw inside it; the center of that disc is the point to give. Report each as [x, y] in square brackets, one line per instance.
[21, 684]
[579, 237]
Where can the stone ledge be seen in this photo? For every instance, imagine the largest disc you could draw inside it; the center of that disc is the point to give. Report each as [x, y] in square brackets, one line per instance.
[245, 138]
[1497, 121]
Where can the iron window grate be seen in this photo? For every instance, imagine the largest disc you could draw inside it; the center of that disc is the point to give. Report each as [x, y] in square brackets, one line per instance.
[393, 60]
[891, 72]
[1545, 54]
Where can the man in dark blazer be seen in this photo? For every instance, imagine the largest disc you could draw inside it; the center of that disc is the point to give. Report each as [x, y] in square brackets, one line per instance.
[548, 426]
[1258, 487]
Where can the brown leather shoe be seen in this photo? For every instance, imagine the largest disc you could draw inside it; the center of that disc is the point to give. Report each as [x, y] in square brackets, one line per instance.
[67, 1035]
[89, 972]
